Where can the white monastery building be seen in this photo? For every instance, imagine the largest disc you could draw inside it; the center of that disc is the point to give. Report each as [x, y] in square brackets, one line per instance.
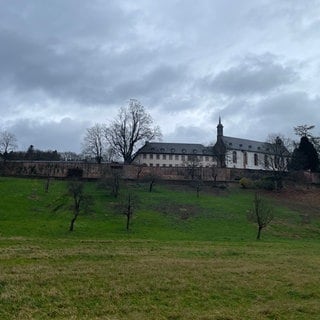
[228, 152]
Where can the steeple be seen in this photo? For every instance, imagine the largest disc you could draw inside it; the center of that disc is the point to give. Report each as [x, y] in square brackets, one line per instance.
[219, 128]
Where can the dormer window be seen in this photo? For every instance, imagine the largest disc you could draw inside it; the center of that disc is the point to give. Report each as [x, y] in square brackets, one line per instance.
[230, 143]
[240, 145]
[162, 149]
[184, 150]
[250, 147]
[172, 150]
[194, 150]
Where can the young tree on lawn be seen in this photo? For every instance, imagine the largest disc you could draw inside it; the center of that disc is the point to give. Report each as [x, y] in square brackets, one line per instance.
[132, 126]
[94, 143]
[81, 200]
[127, 207]
[261, 214]
[111, 179]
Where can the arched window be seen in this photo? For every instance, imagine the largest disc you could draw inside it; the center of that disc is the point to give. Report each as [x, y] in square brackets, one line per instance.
[245, 158]
[234, 156]
[256, 159]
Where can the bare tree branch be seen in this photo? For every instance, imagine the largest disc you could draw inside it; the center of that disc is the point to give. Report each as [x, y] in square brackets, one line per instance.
[132, 126]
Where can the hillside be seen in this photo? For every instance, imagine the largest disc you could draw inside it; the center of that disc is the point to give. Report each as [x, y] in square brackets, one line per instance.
[183, 258]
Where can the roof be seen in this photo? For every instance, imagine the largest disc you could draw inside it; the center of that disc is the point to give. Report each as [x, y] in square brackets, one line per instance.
[249, 145]
[176, 148]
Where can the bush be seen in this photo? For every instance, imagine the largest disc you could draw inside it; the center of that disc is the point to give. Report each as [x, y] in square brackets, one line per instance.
[266, 184]
[246, 183]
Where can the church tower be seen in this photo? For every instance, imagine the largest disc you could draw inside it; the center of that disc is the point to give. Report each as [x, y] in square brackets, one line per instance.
[219, 129]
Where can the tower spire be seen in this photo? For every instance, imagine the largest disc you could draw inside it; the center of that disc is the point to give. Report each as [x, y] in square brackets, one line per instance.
[219, 128]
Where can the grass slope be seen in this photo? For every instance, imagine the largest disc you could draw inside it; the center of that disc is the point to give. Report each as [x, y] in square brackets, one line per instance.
[185, 258]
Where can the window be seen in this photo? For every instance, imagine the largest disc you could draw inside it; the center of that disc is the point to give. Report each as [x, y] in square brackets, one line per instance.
[144, 156]
[245, 158]
[207, 158]
[173, 150]
[183, 157]
[184, 150]
[200, 158]
[164, 157]
[151, 164]
[158, 165]
[194, 150]
[256, 159]
[176, 157]
[151, 156]
[234, 156]
[158, 156]
[170, 156]
[266, 161]
[163, 165]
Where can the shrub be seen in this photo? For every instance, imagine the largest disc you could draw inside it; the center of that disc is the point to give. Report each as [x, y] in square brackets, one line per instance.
[246, 183]
[266, 184]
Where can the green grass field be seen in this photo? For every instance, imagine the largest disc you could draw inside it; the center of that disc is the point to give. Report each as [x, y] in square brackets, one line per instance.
[184, 257]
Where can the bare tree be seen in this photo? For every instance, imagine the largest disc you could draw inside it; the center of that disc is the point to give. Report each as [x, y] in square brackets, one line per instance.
[260, 214]
[277, 157]
[94, 142]
[111, 178]
[81, 201]
[151, 179]
[50, 171]
[127, 207]
[132, 126]
[192, 163]
[8, 143]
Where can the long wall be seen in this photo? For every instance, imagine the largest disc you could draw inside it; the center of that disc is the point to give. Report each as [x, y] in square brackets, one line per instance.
[95, 171]
[64, 169]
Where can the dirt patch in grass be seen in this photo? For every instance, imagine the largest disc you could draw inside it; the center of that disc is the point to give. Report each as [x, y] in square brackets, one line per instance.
[306, 201]
[180, 211]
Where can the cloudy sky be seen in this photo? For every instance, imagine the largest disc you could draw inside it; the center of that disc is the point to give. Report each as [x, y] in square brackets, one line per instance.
[68, 64]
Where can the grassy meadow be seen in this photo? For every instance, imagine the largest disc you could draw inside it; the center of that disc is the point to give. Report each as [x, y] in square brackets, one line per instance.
[183, 258]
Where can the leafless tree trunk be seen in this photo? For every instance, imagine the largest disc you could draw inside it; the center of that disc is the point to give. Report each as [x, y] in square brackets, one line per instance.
[94, 142]
[261, 214]
[81, 201]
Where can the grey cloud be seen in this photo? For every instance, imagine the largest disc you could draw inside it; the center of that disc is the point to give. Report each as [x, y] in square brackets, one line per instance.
[69, 59]
[253, 75]
[160, 83]
[190, 134]
[65, 135]
[289, 107]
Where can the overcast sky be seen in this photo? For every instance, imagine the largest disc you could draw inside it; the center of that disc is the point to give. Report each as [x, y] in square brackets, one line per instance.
[68, 64]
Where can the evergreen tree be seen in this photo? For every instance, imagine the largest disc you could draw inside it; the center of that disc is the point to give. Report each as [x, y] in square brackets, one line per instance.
[305, 157]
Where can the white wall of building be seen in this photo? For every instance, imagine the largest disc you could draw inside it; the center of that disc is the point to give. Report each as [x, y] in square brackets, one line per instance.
[171, 160]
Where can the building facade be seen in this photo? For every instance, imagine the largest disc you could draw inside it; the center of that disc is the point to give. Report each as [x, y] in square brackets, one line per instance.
[228, 152]
[160, 154]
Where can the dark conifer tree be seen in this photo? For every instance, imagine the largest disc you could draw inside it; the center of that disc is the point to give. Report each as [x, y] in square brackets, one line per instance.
[305, 157]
